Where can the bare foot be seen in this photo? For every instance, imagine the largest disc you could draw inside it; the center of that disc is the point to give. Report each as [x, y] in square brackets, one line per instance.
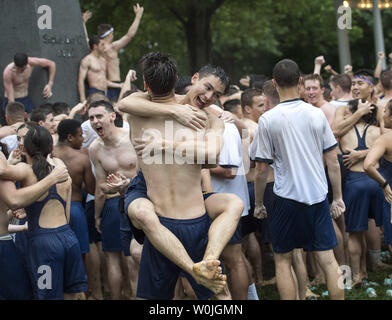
[264, 283]
[208, 269]
[309, 294]
[216, 286]
[381, 266]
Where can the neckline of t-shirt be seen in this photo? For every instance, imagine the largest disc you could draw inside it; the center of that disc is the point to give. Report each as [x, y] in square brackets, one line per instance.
[291, 100]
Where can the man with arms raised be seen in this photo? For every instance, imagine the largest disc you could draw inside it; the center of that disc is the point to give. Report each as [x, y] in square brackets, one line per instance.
[111, 48]
[16, 79]
[301, 214]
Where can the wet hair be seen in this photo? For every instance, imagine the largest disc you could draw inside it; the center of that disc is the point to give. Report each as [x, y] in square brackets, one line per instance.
[66, 127]
[38, 115]
[46, 106]
[386, 79]
[60, 108]
[159, 72]
[20, 59]
[94, 40]
[286, 74]
[370, 118]
[257, 80]
[102, 103]
[271, 92]
[342, 80]
[248, 95]
[182, 83]
[314, 77]
[4, 149]
[129, 92]
[103, 28]
[28, 125]
[15, 111]
[365, 74]
[217, 72]
[96, 96]
[38, 143]
[231, 105]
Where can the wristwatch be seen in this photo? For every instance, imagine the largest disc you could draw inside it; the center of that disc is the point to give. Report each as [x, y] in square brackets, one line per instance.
[384, 185]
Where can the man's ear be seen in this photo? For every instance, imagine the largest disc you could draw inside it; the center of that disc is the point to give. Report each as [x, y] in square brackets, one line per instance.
[247, 109]
[274, 83]
[195, 78]
[69, 137]
[41, 123]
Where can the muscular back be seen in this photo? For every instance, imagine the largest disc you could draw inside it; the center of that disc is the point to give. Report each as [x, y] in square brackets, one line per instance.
[79, 169]
[174, 189]
[350, 141]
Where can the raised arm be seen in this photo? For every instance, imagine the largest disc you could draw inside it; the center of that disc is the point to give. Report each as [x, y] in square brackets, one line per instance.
[84, 64]
[8, 87]
[51, 65]
[318, 62]
[121, 43]
[378, 70]
[86, 16]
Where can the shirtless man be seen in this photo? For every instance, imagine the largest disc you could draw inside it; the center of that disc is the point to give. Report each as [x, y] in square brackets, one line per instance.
[14, 280]
[187, 201]
[341, 90]
[111, 48]
[78, 164]
[314, 94]
[16, 77]
[93, 67]
[112, 152]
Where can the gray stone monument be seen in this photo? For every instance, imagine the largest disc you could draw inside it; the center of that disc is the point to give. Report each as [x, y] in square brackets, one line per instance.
[51, 29]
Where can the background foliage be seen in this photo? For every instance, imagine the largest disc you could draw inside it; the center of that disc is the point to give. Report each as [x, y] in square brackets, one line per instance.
[242, 36]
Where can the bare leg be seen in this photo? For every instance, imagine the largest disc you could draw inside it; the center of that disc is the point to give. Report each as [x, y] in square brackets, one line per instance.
[330, 268]
[75, 296]
[238, 277]
[355, 250]
[142, 214]
[127, 289]
[342, 227]
[253, 253]
[339, 250]
[301, 273]
[319, 278]
[93, 270]
[373, 240]
[284, 277]
[136, 253]
[115, 276]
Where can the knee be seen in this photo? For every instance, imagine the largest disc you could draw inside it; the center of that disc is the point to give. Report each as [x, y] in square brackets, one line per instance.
[237, 206]
[142, 217]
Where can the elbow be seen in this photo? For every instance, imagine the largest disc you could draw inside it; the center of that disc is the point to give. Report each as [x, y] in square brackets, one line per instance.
[14, 204]
[368, 167]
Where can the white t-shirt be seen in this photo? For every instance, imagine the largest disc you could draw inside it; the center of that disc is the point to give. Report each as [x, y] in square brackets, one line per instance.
[339, 103]
[293, 136]
[231, 156]
[11, 141]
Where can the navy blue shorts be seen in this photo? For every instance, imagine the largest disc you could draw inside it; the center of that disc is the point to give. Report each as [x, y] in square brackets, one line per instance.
[22, 242]
[364, 200]
[93, 234]
[26, 101]
[14, 278]
[55, 263]
[94, 90]
[125, 232]
[78, 223]
[113, 94]
[158, 275]
[137, 189]
[297, 225]
[110, 226]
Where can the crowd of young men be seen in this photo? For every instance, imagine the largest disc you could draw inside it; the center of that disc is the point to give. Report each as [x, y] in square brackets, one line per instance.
[180, 196]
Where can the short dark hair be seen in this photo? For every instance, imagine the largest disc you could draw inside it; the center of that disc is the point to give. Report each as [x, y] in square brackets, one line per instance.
[103, 28]
[129, 92]
[208, 70]
[94, 40]
[271, 92]
[46, 106]
[96, 96]
[314, 77]
[248, 95]
[389, 106]
[365, 74]
[257, 80]
[181, 84]
[159, 72]
[286, 74]
[60, 108]
[342, 80]
[20, 59]
[66, 127]
[370, 118]
[15, 110]
[231, 105]
[386, 79]
[38, 115]
[102, 103]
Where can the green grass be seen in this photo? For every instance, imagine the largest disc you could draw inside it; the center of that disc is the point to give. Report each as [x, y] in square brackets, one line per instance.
[271, 292]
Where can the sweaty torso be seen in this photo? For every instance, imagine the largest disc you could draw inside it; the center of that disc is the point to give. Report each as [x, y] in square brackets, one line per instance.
[119, 158]
[174, 189]
[74, 160]
[96, 74]
[20, 81]
[350, 141]
[3, 215]
[113, 63]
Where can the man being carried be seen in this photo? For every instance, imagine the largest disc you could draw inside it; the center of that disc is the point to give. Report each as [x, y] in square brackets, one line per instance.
[16, 79]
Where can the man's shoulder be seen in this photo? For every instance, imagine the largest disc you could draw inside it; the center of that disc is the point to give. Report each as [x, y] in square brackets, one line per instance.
[96, 145]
